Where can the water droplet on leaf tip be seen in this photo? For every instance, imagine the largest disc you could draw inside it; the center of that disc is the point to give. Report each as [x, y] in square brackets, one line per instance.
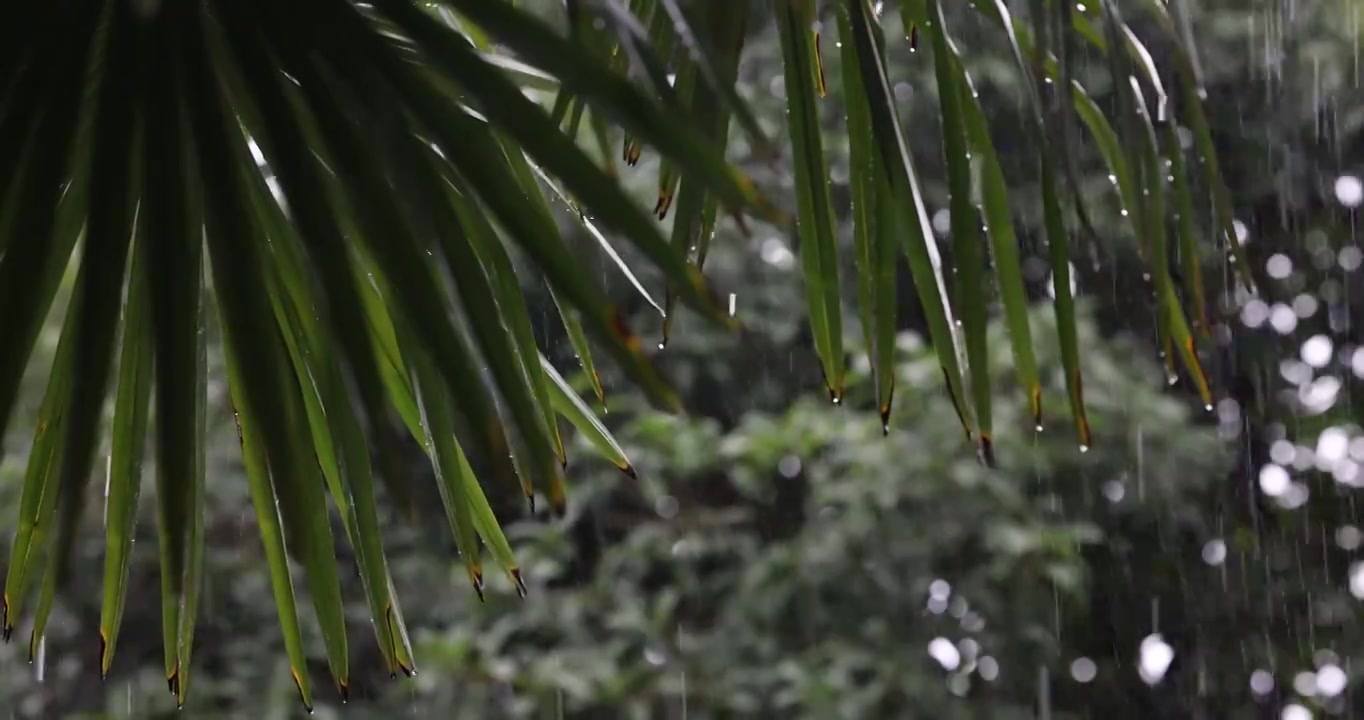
[1084, 448]
[1038, 427]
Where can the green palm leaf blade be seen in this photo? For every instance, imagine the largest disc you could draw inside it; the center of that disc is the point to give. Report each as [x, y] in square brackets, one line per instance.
[1169, 310]
[1191, 92]
[539, 45]
[285, 132]
[572, 407]
[449, 464]
[726, 25]
[466, 506]
[965, 224]
[480, 241]
[1185, 232]
[624, 44]
[523, 120]
[195, 571]
[815, 226]
[917, 236]
[1066, 16]
[131, 405]
[174, 254]
[345, 463]
[105, 254]
[268, 392]
[1135, 201]
[47, 595]
[1058, 253]
[31, 271]
[385, 342]
[470, 148]
[272, 535]
[412, 284]
[994, 204]
[596, 234]
[29, 277]
[874, 232]
[715, 75]
[1111, 151]
[577, 338]
[661, 37]
[352, 168]
[1022, 44]
[1189, 75]
[38, 497]
[299, 498]
[337, 436]
[466, 205]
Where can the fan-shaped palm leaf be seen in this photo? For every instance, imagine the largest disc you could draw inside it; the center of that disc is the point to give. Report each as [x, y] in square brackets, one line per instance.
[357, 177]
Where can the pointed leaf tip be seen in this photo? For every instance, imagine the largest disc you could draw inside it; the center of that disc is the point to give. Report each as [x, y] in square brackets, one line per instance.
[885, 413]
[987, 452]
[104, 659]
[1082, 420]
[303, 693]
[395, 630]
[663, 205]
[520, 584]
[821, 85]
[1035, 402]
[956, 405]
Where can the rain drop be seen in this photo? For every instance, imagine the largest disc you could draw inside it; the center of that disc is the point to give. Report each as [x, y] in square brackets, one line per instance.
[1295, 711]
[1331, 681]
[1154, 658]
[947, 655]
[1349, 191]
[1261, 682]
[1083, 670]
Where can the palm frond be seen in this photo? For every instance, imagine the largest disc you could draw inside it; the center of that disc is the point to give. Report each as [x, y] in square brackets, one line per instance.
[358, 178]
